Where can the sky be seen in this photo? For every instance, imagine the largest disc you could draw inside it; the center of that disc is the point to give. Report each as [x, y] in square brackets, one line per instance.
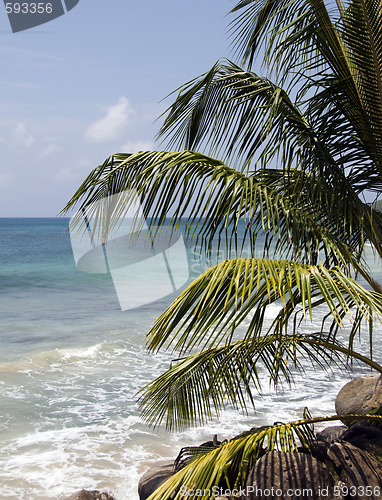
[91, 83]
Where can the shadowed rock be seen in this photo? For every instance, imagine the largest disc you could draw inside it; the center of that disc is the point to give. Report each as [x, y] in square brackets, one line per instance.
[331, 433]
[291, 475]
[357, 468]
[153, 478]
[366, 438]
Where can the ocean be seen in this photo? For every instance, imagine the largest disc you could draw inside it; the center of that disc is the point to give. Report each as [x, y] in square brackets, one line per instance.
[72, 362]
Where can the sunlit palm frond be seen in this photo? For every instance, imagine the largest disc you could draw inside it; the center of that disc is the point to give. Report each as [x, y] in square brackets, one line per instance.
[322, 161]
[200, 386]
[228, 294]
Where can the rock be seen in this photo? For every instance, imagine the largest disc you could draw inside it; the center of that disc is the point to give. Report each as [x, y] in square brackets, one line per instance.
[91, 495]
[358, 469]
[330, 434]
[153, 478]
[291, 475]
[366, 438]
[319, 450]
[361, 395]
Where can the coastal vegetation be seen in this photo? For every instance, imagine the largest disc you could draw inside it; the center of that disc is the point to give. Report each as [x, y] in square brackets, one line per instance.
[300, 161]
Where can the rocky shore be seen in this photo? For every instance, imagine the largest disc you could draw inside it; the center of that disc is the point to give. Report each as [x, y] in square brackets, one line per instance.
[345, 461]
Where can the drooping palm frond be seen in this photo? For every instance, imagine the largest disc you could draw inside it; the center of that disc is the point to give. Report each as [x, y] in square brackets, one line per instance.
[233, 113]
[208, 311]
[228, 465]
[191, 185]
[200, 386]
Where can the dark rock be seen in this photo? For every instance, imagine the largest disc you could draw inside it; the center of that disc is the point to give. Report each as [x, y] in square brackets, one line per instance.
[331, 433]
[91, 495]
[358, 469]
[366, 438]
[319, 450]
[153, 478]
[361, 395]
[291, 475]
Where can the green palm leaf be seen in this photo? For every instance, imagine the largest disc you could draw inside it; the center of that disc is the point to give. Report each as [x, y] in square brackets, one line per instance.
[203, 384]
[224, 296]
[339, 54]
[186, 183]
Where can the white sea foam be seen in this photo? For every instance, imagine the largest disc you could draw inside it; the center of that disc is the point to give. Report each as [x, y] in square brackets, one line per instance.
[82, 426]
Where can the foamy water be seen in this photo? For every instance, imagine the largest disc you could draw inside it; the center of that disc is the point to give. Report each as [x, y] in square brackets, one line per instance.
[71, 365]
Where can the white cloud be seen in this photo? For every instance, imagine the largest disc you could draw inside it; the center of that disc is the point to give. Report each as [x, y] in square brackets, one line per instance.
[22, 136]
[134, 146]
[112, 124]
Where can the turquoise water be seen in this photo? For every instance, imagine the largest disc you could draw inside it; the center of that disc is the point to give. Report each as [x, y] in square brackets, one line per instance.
[71, 363]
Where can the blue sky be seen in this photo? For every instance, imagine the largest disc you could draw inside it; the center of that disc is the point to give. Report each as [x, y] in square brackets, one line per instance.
[89, 84]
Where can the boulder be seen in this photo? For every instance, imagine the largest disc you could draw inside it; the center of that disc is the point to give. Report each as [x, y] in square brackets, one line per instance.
[358, 469]
[91, 495]
[287, 475]
[331, 433]
[153, 478]
[361, 395]
[365, 437]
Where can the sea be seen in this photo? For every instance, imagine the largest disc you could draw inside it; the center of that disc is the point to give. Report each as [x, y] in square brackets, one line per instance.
[72, 363]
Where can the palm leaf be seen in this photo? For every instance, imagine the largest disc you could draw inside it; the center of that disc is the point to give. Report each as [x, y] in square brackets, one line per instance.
[251, 117]
[204, 383]
[317, 50]
[186, 183]
[200, 386]
[208, 311]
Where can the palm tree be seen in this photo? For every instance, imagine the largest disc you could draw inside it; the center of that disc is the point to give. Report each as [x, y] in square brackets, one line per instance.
[300, 157]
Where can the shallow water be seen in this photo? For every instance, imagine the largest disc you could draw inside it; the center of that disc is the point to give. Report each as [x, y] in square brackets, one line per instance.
[71, 364]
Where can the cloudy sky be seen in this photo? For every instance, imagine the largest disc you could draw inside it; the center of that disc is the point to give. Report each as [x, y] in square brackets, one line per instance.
[89, 84]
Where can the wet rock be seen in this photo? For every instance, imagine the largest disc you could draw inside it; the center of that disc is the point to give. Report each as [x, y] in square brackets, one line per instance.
[361, 395]
[153, 478]
[91, 495]
[358, 469]
[290, 475]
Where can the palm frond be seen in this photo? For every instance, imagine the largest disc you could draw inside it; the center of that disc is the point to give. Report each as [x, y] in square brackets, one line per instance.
[208, 311]
[335, 54]
[323, 161]
[283, 206]
[200, 386]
